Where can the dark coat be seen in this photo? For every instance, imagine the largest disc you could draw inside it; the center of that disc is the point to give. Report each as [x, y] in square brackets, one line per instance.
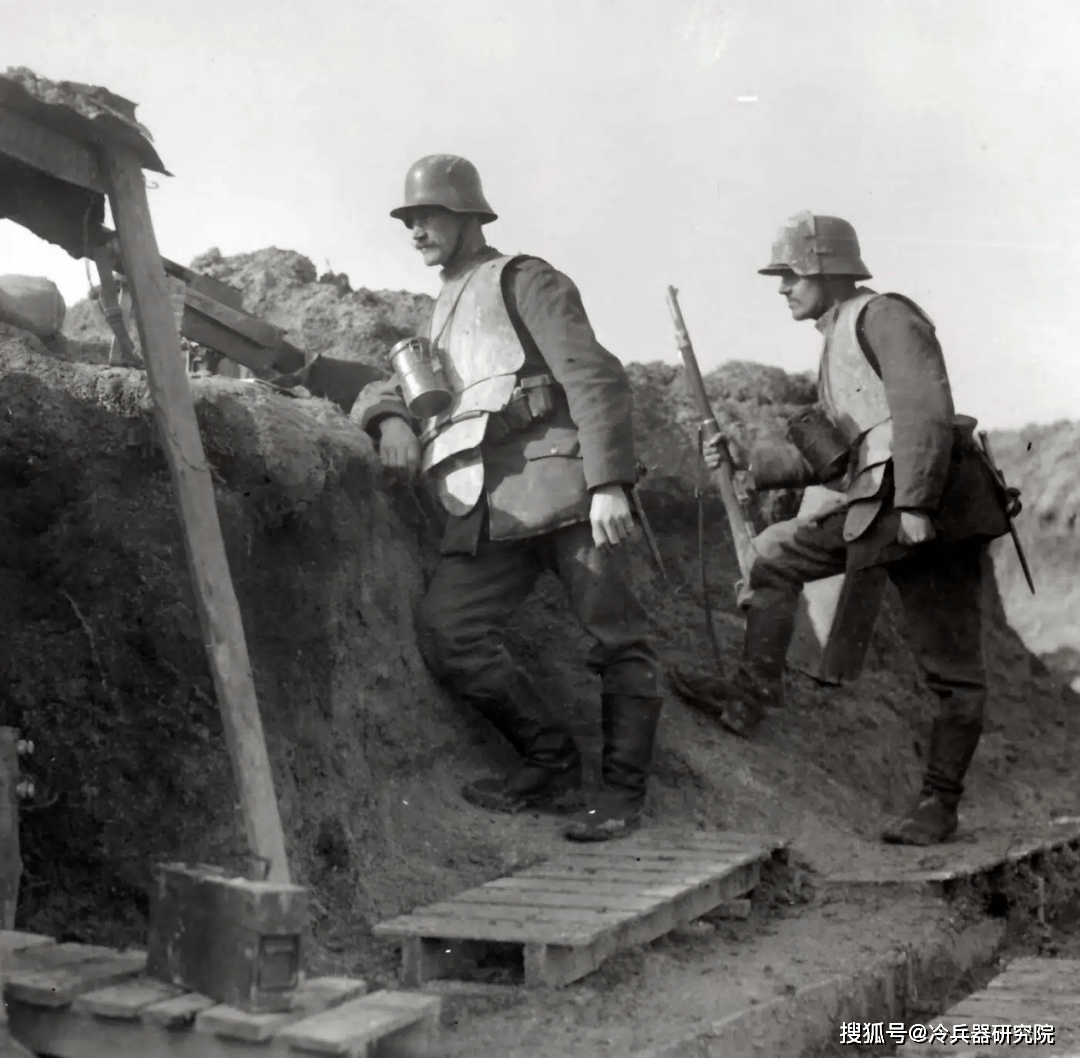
[937, 466]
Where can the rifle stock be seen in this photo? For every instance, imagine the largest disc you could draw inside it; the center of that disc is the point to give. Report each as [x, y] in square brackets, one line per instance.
[724, 475]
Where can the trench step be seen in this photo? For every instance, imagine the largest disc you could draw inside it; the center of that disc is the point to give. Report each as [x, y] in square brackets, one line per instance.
[1032, 1008]
[565, 917]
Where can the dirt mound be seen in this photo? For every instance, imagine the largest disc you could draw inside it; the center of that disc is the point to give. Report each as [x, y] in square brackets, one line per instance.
[320, 314]
[104, 667]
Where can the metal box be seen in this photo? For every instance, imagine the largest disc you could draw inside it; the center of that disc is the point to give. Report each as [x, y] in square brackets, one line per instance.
[231, 939]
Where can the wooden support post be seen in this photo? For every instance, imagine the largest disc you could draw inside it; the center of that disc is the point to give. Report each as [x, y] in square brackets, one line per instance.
[219, 611]
[10, 852]
[836, 616]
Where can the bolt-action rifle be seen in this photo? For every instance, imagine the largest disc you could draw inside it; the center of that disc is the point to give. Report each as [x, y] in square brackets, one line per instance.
[708, 428]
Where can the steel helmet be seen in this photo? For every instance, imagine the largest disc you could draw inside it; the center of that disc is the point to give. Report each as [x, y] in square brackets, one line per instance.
[811, 245]
[445, 180]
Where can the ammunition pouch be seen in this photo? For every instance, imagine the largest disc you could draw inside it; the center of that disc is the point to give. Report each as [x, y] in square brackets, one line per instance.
[820, 443]
[533, 401]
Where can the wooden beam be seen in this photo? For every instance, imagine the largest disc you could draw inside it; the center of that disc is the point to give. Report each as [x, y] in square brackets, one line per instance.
[219, 611]
[10, 856]
[258, 331]
[41, 147]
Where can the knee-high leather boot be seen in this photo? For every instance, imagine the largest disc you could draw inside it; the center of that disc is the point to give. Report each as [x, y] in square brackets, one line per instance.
[551, 762]
[629, 726]
[934, 817]
[759, 682]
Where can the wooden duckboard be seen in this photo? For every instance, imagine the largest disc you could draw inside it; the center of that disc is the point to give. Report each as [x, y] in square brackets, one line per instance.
[82, 1001]
[569, 915]
[1030, 992]
[938, 865]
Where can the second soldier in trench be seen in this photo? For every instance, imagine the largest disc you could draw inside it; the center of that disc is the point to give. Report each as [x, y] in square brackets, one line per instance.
[917, 497]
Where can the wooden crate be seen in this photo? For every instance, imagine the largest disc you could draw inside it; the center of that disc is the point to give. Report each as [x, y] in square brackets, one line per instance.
[82, 1001]
[235, 940]
[567, 916]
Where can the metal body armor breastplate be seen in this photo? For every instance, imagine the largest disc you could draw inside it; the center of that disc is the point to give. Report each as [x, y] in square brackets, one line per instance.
[474, 338]
[854, 397]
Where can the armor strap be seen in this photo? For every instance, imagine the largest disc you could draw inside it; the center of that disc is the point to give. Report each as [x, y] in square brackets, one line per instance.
[523, 385]
[864, 345]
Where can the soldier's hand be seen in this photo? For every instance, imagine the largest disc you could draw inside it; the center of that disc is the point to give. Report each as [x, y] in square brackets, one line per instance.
[915, 528]
[612, 520]
[1013, 506]
[399, 448]
[710, 450]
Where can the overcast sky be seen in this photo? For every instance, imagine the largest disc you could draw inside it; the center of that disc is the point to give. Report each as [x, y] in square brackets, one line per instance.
[633, 144]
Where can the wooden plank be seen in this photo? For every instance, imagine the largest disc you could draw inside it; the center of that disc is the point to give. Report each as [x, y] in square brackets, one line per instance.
[348, 1028]
[598, 901]
[576, 885]
[554, 916]
[219, 611]
[208, 285]
[608, 876]
[243, 323]
[1045, 970]
[554, 926]
[719, 839]
[1010, 997]
[12, 941]
[211, 334]
[556, 965]
[634, 868]
[1009, 1003]
[10, 853]
[650, 857]
[690, 846]
[178, 1013]
[312, 997]
[731, 909]
[566, 935]
[49, 150]
[55, 956]
[501, 931]
[125, 1001]
[58, 986]
[965, 864]
[233, 1024]
[65, 1034]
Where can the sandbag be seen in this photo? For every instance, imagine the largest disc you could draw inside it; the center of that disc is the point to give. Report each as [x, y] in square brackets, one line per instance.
[33, 303]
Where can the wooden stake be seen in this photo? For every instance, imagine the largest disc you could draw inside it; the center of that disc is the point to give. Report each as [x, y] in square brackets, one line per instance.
[219, 611]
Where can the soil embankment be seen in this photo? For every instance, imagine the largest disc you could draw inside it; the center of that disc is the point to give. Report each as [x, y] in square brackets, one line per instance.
[103, 664]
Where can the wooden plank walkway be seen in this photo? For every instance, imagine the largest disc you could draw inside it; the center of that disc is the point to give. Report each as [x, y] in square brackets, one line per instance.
[566, 916]
[934, 868]
[1010, 1017]
[83, 1001]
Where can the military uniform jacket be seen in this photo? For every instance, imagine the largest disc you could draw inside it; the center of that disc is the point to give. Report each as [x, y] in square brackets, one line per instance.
[538, 478]
[884, 383]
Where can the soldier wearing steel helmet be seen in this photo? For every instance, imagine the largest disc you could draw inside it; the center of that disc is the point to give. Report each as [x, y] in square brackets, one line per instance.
[915, 496]
[532, 461]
